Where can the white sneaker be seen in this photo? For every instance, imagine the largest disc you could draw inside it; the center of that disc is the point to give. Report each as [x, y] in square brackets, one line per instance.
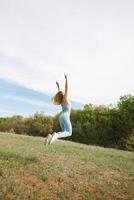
[53, 138]
[48, 138]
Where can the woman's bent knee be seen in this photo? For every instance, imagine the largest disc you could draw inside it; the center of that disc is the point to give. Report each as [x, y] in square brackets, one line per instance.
[70, 133]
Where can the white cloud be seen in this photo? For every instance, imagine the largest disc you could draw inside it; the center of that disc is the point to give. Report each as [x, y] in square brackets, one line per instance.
[39, 76]
[91, 41]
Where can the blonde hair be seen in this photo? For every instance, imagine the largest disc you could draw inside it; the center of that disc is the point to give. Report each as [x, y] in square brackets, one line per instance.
[57, 99]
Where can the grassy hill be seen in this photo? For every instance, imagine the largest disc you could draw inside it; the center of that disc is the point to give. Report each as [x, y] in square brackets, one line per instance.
[65, 170]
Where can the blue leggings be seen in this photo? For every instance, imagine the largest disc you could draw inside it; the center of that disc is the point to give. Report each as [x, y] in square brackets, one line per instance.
[65, 124]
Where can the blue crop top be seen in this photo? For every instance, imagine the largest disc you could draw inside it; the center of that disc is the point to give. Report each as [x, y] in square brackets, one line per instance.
[66, 107]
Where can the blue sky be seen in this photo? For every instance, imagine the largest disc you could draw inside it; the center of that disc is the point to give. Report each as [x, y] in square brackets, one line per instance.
[92, 41]
[16, 99]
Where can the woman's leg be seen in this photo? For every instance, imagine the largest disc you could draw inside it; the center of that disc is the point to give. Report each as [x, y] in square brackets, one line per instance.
[63, 134]
[66, 126]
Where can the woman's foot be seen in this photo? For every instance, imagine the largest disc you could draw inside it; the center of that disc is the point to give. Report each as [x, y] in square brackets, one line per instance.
[54, 137]
[48, 138]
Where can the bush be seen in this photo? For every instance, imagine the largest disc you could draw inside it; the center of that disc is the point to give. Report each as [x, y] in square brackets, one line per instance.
[101, 125]
[128, 143]
[39, 125]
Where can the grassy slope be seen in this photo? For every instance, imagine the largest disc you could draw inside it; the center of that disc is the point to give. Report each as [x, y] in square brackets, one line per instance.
[65, 170]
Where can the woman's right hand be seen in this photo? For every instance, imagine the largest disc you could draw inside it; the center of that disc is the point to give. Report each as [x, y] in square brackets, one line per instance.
[65, 75]
[57, 83]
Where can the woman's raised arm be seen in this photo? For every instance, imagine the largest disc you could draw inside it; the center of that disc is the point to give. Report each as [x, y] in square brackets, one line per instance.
[58, 85]
[66, 88]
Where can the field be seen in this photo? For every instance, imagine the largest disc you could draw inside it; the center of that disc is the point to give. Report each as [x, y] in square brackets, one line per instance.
[64, 170]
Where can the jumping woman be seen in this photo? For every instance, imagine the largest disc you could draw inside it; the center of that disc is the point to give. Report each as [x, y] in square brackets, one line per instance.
[61, 98]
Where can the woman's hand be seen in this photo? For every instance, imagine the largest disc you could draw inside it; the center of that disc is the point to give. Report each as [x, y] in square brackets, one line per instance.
[65, 75]
[57, 83]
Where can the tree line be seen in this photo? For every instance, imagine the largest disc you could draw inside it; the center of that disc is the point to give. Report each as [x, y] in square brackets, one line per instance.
[97, 125]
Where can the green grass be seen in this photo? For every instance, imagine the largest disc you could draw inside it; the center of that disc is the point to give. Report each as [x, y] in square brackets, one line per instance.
[64, 170]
